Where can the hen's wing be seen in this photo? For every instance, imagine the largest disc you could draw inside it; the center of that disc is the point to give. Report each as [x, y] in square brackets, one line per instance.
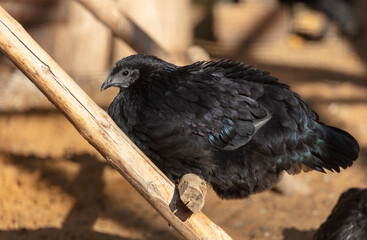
[225, 95]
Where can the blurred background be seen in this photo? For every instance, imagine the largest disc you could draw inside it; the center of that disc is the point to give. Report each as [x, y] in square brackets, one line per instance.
[54, 185]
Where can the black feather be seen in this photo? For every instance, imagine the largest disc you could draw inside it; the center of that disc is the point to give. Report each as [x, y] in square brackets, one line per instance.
[236, 126]
[348, 219]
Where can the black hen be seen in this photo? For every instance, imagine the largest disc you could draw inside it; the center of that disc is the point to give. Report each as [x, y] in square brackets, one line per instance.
[348, 220]
[237, 127]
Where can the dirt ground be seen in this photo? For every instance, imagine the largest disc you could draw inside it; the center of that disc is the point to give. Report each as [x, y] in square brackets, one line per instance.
[54, 185]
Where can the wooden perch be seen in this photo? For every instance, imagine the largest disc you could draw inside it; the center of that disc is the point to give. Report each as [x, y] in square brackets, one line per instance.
[100, 131]
[107, 12]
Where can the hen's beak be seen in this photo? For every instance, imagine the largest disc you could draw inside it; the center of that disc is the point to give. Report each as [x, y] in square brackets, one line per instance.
[108, 83]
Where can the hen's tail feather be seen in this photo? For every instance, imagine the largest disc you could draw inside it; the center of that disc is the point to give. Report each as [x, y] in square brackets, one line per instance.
[335, 147]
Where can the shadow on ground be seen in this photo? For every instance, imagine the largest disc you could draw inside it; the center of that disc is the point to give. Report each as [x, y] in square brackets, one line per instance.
[90, 202]
[293, 233]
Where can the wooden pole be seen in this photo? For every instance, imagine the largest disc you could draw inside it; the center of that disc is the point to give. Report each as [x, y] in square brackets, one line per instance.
[101, 132]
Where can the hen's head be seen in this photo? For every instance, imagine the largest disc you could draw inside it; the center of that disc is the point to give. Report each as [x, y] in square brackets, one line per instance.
[129, 70]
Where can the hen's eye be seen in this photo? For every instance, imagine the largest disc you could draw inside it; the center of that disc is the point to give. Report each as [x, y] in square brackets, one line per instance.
[125, 73]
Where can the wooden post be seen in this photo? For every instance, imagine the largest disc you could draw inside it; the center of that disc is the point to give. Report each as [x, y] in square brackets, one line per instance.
[101, 132]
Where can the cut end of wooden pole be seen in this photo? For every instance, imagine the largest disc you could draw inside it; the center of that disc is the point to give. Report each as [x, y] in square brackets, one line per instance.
[192, 190]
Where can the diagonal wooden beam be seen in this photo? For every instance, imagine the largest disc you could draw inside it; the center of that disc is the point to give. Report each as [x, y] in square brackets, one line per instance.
[101, 132]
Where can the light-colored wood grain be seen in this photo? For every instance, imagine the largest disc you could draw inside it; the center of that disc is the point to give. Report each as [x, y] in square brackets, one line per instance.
[192, 190]
[81, 44]
[100, 131]
[18, 94]
[167, 22]
[124, 27]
